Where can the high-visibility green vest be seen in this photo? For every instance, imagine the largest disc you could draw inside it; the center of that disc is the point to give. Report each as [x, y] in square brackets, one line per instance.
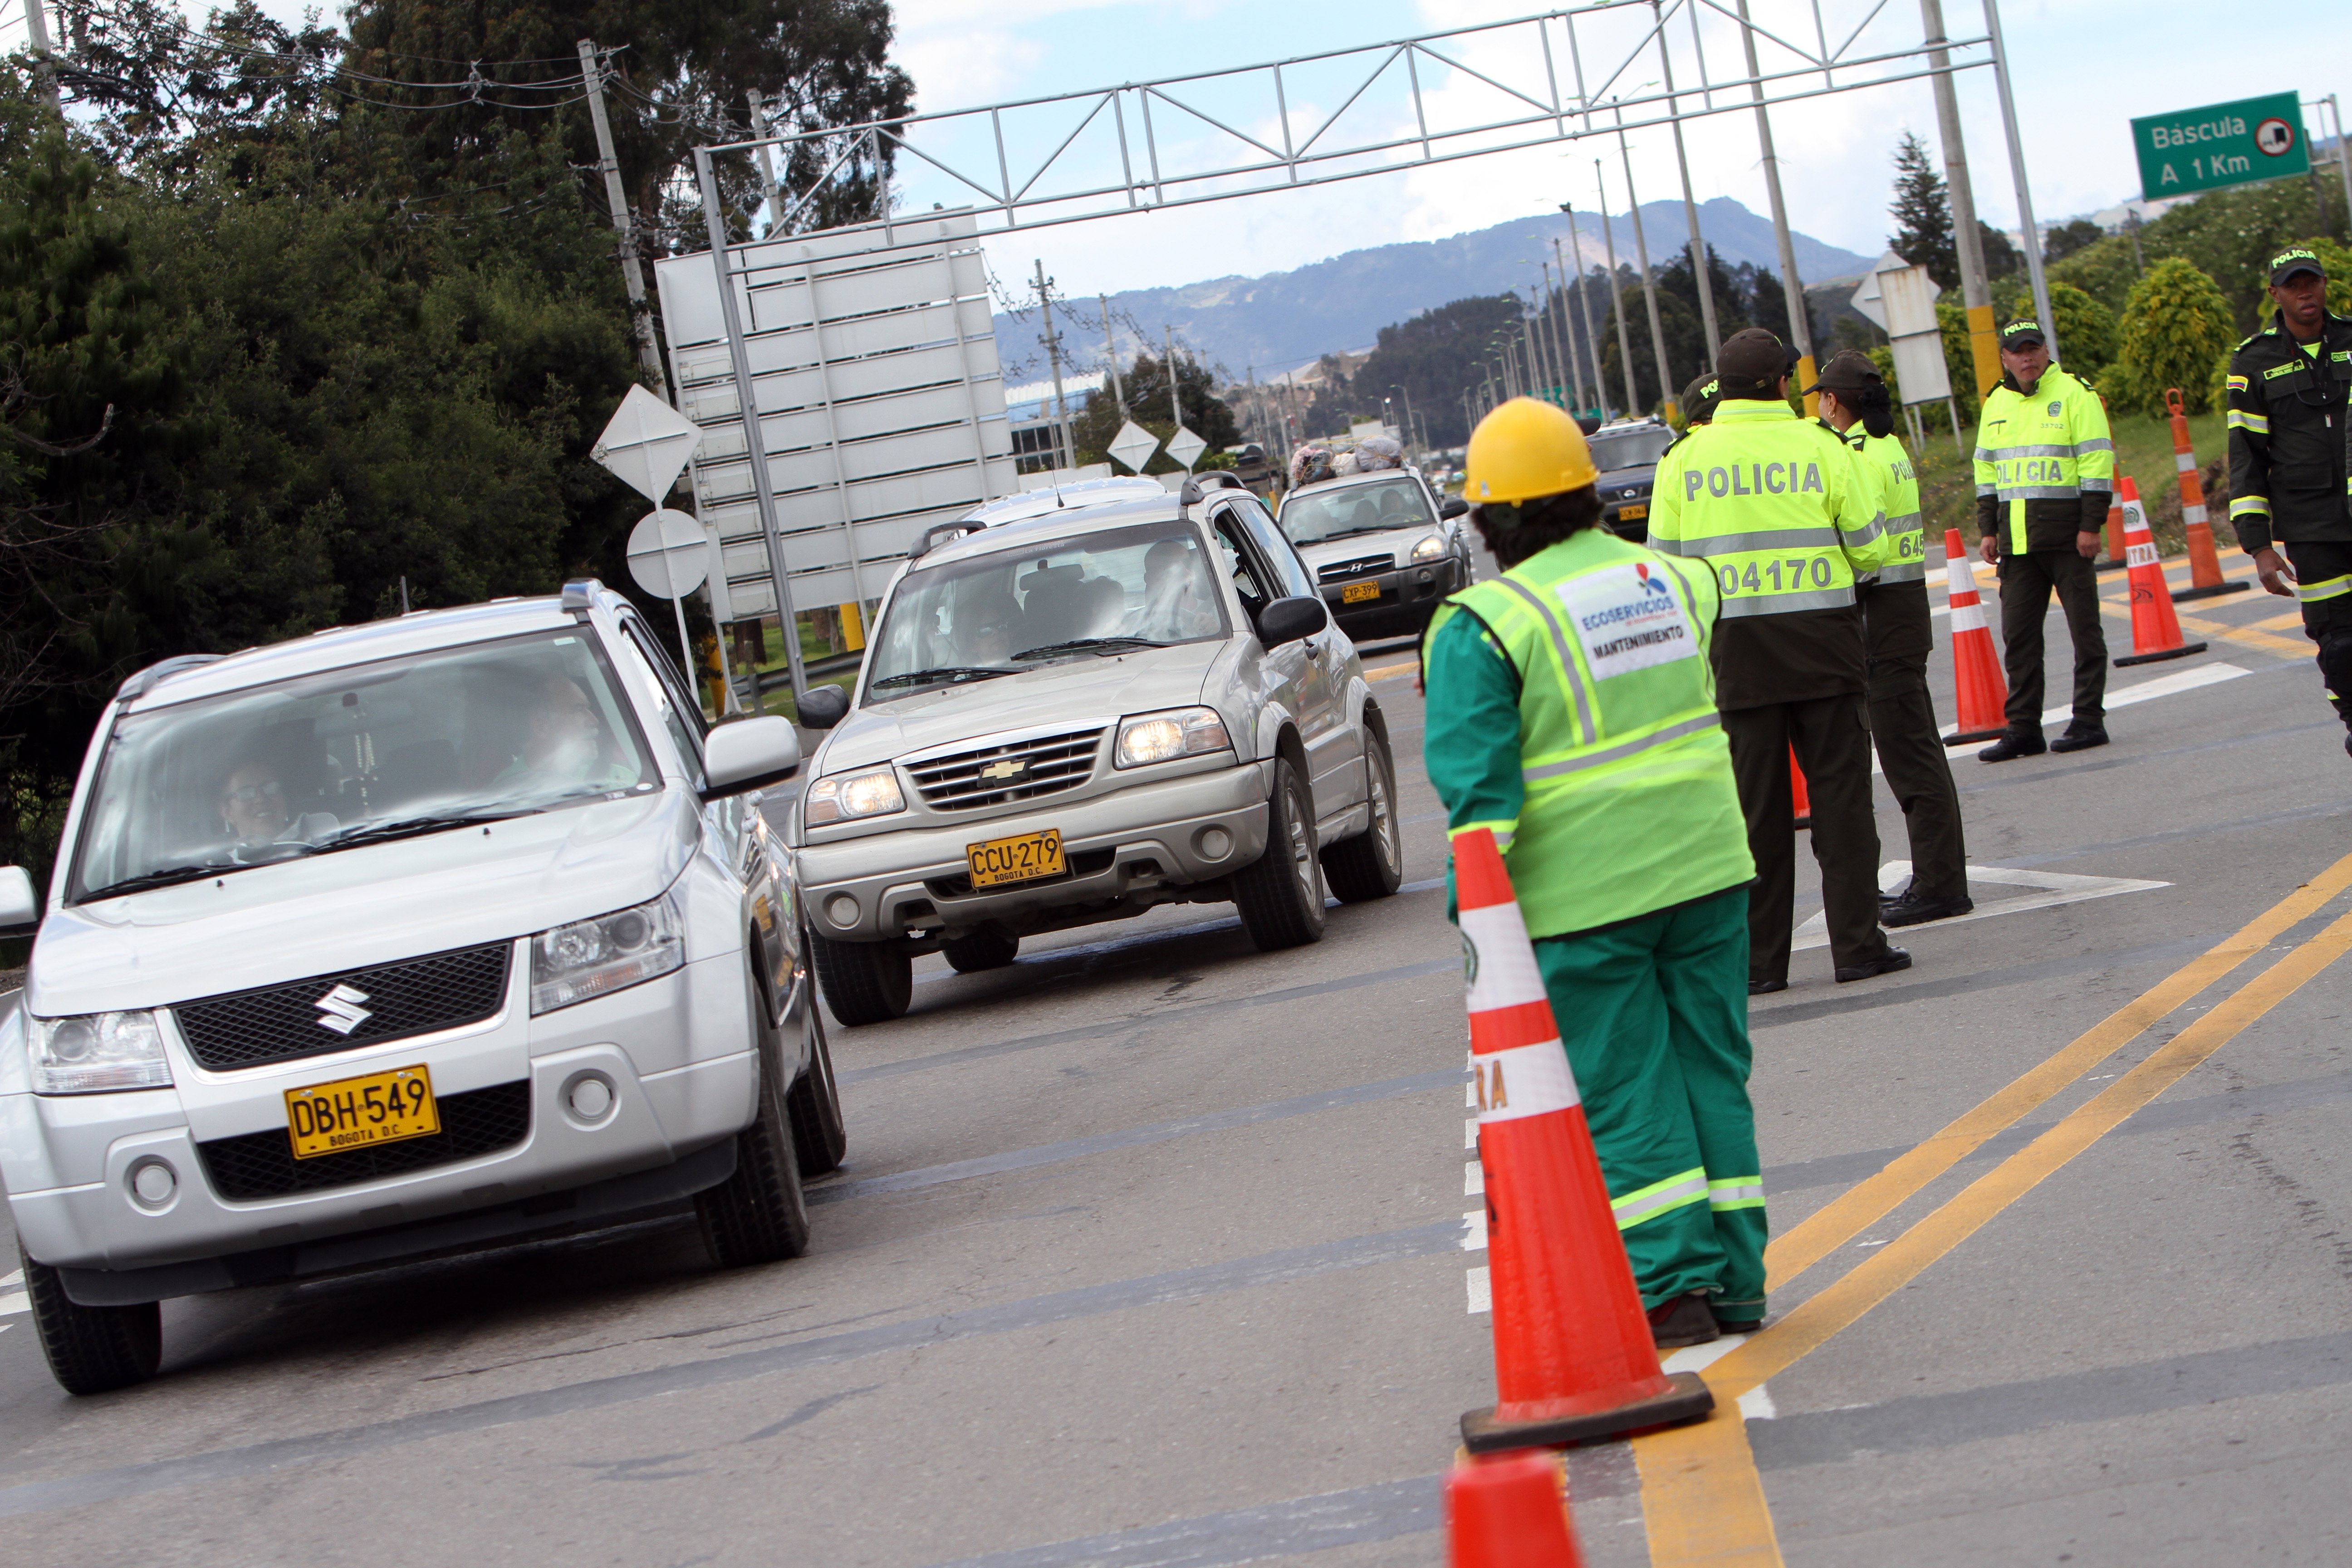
[1905, 529]
[1630, 805]
[1777, 506]
[2053, 445]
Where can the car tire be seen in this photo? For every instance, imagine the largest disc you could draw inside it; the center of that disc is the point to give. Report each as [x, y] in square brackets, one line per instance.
[1372, 864]
[989, 947]
[759, 1215]
[1280, 894]
[92, 1350]
[819, 1138]
[864, 982]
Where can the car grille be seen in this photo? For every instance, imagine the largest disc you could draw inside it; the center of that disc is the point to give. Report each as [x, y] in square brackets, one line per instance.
[259, 1165]
[1047, 764]
[1339, 570]
[278, 1023]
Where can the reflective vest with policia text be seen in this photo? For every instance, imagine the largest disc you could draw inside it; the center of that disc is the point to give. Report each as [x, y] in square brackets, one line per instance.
[1777, 506]
[2039, 458]
[1905, 530]
[1630, 802]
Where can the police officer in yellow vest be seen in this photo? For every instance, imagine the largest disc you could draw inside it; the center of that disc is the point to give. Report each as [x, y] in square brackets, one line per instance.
[2045, 466]
[1572, 710]
[1780, 510]
[1900, 632]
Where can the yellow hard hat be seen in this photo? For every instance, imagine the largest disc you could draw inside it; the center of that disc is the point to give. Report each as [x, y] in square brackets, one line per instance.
[1526, 449]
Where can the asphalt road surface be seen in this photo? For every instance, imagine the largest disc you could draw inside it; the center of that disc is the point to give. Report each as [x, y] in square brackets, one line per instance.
[1151, 1250]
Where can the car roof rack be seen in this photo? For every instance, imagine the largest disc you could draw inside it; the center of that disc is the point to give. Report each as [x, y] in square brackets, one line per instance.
[930, 539]
[139, 685]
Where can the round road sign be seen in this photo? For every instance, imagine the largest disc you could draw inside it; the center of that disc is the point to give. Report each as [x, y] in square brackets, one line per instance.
[2275, 137]
[668, 555]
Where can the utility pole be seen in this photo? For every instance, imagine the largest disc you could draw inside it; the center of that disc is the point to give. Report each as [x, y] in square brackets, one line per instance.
[767, 160]
[1175, 398]
[37, 27]
[2131, 223]
[1569, 370]
[1053, 356]
[1111, 346]
[1976, 289]
[1617, 295]
[1690, 203]
[1584, 308]
[1800, 315]
[1669, 389]
[2030, 233]
[632, 271]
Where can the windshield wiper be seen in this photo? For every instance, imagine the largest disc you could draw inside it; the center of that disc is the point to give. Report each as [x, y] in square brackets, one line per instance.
[163, 878]
[1088, 645]
[414, 827]
[943, 676]
[1351, 532]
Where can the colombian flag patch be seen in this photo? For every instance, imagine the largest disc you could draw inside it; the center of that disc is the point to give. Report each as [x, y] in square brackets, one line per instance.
[2237, 384]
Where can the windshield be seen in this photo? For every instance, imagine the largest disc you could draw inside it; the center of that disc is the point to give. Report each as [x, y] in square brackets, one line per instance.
[1641, 448]
[1018, 609]
[376, 751]
[1398, 502]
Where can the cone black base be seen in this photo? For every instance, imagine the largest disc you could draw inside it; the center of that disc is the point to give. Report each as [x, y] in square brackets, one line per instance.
[1805, 821]
[1971, 737]
[2216, 591]
[2183, 651]
[1687, 1400]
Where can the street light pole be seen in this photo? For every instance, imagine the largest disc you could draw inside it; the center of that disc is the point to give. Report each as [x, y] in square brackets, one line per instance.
[1976, 289]
[1667, 386]
[2031, 235]
[1617, 296]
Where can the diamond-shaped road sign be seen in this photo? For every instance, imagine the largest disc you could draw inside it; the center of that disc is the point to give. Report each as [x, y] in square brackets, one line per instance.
[668, 554]
[1134, 445]
[1185, 446]
[646, 443]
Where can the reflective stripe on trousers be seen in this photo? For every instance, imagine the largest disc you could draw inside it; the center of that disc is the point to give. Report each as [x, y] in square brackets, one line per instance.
[2325, 588]
[1735, 1192]
[1660, 1197]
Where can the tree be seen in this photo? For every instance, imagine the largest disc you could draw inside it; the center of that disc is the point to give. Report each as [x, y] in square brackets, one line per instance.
[1923, 214]
[2229, 236]
[1685, 343]
[2175, 324]
[2066, 239]
[2087, 335]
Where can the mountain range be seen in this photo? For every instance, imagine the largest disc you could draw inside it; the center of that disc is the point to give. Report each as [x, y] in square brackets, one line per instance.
[1284, 320]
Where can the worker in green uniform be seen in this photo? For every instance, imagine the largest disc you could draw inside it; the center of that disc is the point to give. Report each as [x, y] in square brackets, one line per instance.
[1780, 510]
[1572, 710]
[1899, 631]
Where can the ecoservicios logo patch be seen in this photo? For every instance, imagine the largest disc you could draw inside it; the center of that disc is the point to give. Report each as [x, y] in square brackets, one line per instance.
[1628, 617]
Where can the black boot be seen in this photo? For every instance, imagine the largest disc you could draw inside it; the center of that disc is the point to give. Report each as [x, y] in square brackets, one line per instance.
[1915, 907]
[2016, 743]
[1685, 1321]
[2080, 737]
[1887, 963]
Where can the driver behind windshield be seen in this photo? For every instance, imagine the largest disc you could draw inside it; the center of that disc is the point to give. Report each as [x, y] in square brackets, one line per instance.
[563, 741]
[253, 808]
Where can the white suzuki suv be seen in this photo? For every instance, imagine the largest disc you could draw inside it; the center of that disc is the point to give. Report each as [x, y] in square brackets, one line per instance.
[403, 939]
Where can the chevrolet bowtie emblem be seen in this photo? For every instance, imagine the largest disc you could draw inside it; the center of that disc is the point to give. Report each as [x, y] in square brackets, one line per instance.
[339, 1010]
[1005, 768]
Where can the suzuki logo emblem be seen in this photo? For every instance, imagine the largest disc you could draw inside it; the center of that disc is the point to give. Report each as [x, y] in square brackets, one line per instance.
[339, 1010]
[1005, 768]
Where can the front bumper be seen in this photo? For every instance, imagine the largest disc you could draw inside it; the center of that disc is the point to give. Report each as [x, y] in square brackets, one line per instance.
[1171, 832]
[1407, 597]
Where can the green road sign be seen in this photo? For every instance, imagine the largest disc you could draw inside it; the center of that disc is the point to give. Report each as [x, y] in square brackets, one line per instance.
[2222, 145]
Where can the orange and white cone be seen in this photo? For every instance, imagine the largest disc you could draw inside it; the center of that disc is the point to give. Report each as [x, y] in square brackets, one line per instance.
[1802, 796]
[1976, 668]
[2155, 630]
[1574, 1357]
[2205, 577]
[1508, 1512]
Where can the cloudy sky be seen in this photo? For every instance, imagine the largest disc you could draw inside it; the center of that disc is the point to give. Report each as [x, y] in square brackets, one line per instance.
[2084, 69]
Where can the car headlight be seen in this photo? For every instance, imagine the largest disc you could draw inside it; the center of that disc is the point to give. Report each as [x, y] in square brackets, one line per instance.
[1430, 547]
[97, 1053]
[845, 797]
[588, 959]
[1163, 737]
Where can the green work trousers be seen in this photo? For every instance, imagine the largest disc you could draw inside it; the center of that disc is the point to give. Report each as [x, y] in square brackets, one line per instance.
[1653, 1011]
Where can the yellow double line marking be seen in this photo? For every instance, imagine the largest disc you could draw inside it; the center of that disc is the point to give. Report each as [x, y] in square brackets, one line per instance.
[1702, 1499]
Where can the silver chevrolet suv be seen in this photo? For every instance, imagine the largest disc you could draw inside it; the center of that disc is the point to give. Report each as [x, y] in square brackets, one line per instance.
[1089, 701]
[397, 940]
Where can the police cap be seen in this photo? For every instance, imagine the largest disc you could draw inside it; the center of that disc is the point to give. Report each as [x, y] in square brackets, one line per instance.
[1751, 364]
[2287, 263]
[1849, 370]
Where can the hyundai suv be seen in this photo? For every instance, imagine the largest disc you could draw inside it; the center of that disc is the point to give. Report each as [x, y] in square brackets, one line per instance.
[1627, 454]
[1383, 547]
[397, 940]
[1090, 701]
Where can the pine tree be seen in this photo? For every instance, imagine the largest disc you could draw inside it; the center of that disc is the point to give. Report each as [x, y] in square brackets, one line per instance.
[1923, 214]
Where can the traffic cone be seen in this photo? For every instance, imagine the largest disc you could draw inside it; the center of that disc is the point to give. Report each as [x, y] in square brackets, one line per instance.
[2204, 567]
[1573, 1354]
[1976, 668]
[1508, 1512]
[1799, 793]
[2155, 632]
[2118, 551]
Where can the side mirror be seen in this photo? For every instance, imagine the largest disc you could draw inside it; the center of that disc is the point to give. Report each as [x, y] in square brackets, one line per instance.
[1453, 507]
[750, 755]
[20, 907]
[824, 707]
[1288, 620]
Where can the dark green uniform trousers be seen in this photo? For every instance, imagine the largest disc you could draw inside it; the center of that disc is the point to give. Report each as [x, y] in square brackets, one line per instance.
[1831, 737]
[2026, 583]
[1653, 1011]
[1910, 746]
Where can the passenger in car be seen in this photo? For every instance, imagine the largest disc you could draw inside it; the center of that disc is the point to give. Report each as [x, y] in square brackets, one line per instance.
[1173, 606]
[253, 806]
[564, 742]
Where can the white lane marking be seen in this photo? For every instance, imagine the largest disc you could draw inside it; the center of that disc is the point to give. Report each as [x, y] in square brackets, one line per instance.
[2180, 681]
[17, 1278]
[1698, 1358]
[1470, 1097]
[19, 1302]
[1756, 1404]
[2052, 889]
[1474, 1179]
[1470, 1132]
[1473, 1231]
[1481, 1288]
